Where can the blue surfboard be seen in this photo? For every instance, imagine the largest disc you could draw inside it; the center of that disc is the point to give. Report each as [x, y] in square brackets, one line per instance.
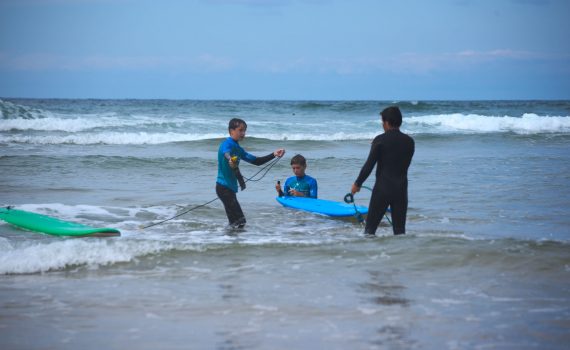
[322, 206]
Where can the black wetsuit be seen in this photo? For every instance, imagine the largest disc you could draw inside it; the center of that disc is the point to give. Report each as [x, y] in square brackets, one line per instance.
[392, 152]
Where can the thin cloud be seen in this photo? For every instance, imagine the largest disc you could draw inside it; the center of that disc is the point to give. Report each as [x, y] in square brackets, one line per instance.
[500, 54]
[39, 62]
[409, 63]
[414, 63]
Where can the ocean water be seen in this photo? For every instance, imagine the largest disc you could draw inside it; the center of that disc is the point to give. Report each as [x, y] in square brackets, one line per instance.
[485, 262]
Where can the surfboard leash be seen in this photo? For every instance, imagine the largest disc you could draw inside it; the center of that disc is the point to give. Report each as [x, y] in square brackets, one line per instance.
[142, 227]
[267, 167]
[351, 198]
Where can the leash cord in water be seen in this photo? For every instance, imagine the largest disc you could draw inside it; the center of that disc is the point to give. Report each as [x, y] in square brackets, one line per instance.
[266, 168]
[178, 215]
[349, 198]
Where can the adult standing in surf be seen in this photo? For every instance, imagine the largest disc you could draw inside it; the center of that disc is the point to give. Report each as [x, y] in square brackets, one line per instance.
[229, 155]
[392, 154]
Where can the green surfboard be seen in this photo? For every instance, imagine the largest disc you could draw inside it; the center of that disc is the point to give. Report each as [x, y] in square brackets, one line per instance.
[53, 226]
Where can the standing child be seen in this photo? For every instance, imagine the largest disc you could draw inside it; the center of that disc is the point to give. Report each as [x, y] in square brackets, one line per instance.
[300, 185]
[229, 155]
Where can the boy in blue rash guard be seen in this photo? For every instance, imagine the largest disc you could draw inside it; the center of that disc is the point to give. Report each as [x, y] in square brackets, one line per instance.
[300, 185]
[229, 155]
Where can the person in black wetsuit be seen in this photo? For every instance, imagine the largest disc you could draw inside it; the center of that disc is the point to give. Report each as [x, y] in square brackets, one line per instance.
[392, 154]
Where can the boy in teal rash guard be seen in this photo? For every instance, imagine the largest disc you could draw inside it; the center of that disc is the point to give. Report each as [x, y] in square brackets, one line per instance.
[229, 155]
[300, 185]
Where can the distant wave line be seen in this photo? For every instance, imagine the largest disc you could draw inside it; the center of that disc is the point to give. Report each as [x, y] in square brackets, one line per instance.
[140, 138]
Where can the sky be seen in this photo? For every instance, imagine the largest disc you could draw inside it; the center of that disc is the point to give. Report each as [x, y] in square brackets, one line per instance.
[285, 49]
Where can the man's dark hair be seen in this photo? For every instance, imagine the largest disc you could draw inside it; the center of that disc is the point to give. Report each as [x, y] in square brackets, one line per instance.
[235, 123]
[392, 116]
[299, 159]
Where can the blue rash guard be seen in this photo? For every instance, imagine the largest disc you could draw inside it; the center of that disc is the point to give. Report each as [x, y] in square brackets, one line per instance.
[305, 184]
[226, 175]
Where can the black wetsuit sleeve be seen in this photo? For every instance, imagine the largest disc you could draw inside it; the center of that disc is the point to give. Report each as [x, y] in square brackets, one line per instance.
[373, 157]
[263, 160]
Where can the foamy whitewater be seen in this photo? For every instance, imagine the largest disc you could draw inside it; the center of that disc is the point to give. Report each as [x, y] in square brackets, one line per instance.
[485, 262]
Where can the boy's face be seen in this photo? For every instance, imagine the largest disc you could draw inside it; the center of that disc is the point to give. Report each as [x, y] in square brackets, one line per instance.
[238, 133]
[298, 169]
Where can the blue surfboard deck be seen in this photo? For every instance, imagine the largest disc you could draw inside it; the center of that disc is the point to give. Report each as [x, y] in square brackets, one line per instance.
[322, 206]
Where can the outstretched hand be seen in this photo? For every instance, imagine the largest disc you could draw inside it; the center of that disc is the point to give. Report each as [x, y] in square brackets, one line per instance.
[279, 153]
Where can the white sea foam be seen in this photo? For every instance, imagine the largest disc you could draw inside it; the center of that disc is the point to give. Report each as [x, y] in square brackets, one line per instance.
[73, 252]
[103, 130]
[58, 124]
[475, 124]
[52, 253]
[368, 311]
[48, 255]
[32, 256]
[111, 138]
[72, 212]
[90, 122]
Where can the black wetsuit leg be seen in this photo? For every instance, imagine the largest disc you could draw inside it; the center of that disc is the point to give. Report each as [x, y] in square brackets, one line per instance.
[376, 210]
[231, 205]
[399, 208]
[379, 203]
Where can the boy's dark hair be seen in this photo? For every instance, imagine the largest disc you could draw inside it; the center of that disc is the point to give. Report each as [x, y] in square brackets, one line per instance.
[299, 159]
[235, 123]
[392, 116]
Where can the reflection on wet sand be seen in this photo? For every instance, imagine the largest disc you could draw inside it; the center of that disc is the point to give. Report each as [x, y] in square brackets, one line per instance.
[381, 290]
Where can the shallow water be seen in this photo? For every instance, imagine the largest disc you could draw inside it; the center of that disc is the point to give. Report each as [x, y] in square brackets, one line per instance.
[485, 262]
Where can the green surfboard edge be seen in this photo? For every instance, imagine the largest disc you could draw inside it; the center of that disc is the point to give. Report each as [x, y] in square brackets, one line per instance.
[53, 226]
